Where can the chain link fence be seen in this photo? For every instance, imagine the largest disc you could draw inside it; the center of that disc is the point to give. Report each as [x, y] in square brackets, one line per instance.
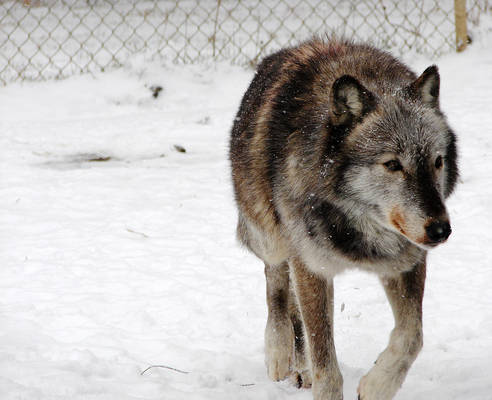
[42, 39]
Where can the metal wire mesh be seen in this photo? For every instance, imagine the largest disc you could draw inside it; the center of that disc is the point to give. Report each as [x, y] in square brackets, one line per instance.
[42, 39]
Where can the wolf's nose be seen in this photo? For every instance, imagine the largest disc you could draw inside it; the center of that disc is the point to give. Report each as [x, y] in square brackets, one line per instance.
[438, 231]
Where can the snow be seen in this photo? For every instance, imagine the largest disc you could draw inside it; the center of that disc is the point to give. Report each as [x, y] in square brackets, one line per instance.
[109, 267]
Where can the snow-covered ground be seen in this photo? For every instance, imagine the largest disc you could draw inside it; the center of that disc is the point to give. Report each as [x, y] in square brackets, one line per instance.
[118, 251]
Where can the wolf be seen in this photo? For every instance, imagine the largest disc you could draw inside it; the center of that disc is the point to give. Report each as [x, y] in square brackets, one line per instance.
[341, 158]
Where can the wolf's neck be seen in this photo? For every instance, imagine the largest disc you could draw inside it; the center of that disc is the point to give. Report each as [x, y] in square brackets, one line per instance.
[356, 235]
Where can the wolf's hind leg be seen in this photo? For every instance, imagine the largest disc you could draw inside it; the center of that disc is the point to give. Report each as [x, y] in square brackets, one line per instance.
[301, 374]
[405, 294]
[315, 296]
[279, 332]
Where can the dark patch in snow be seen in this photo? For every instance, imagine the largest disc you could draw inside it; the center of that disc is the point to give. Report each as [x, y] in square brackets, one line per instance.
[79, 160]
[156, 89]
[179, 148]
[99, 159]
[204, 121]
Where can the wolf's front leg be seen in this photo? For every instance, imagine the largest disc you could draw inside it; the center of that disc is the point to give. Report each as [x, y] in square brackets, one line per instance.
[405, 294]
[279, 332]
[315, 296]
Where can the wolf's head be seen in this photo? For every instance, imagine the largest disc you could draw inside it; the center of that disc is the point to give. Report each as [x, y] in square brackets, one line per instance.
[398, 160]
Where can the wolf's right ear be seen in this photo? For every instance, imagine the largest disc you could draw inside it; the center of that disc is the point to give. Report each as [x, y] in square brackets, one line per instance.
[350, 101]
[426, 87]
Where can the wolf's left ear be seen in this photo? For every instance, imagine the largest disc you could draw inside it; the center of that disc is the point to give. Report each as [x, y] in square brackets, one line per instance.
[350, 101]
[426, 87]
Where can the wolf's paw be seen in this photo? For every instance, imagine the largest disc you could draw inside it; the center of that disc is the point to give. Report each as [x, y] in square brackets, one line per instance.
[328, 389]
[374, 386]
[279, 349]
[278, 364]
[301, 379]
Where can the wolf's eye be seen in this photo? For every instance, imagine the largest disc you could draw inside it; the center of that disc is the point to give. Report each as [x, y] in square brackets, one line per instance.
[393, 165]
[438, 163]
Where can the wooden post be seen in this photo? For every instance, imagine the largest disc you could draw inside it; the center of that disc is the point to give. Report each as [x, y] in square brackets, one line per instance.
[460, 23]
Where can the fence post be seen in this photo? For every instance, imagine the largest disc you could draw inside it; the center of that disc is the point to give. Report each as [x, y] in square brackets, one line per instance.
[460, 23]
[214, 37]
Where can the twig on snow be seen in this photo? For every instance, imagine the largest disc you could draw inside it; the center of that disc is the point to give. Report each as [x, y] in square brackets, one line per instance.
[137, 233]
[184, 372]
[165, 367]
